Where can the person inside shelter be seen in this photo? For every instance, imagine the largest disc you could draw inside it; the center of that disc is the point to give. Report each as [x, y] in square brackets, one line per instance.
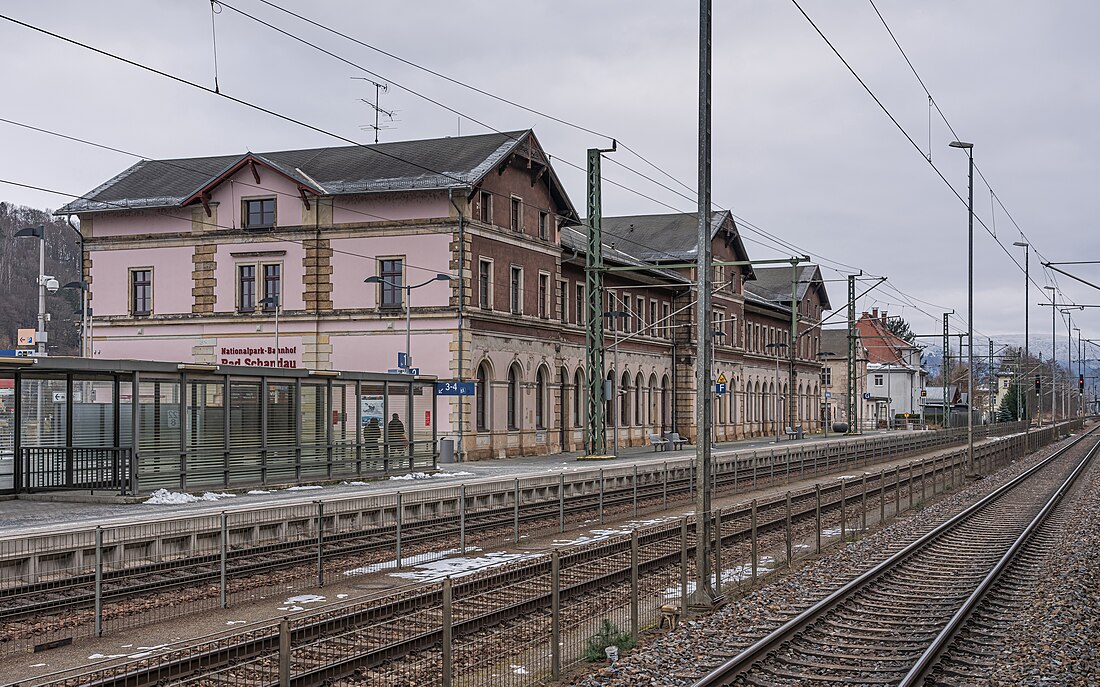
[395, 435]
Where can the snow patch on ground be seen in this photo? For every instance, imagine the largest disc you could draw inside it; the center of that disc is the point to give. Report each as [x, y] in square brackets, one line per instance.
[458, 567]
[425, 475]
[304, 487]
[163, 497]
[408, 560]
[604, 534]
[292, 604]
[257, 492]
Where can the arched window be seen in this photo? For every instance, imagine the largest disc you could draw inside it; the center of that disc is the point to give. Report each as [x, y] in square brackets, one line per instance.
[609, 405]
[639, 401]
[540, 399]
[624, 402]
[481, 397]
[578, 394]
[513, 398]
[653, 400]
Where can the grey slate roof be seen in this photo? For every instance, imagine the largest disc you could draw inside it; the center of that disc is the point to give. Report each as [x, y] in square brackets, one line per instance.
[658, 238]
[835, 341]
[773, 284]
[575, 238]
[440, 163]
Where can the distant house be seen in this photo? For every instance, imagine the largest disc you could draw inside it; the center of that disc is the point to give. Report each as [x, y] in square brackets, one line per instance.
[834, 356]
[932, 406]
[896, 376]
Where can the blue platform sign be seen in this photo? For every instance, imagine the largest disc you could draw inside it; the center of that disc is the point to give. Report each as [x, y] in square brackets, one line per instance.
[719, 388]
[454, 388]
[414, 371]
[402, 359]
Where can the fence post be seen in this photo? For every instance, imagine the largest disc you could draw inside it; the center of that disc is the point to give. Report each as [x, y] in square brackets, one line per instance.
[882, 496]
[561, 502]
[284, 652]
[223, 545]
[320, 543]
[462, 518]
[683, 564]
[98, 581]
[843, 512]
[923, 475]
[515, 514]
[448, 625]
[664, 485]
[910, 470]
[790, 539]
[754, 469]
[555, 614]
[863, 503]
[601, 496]
[752, 526]
[635, 490]
[634, 584]
[718, 552]
[897, 490]
[817, 493]
[397, 547]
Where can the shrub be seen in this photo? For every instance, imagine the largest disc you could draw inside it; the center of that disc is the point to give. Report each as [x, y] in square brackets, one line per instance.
[608, 635]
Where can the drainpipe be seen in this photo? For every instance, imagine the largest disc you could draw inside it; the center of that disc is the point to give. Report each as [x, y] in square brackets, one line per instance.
[461, 302]
[85, 321]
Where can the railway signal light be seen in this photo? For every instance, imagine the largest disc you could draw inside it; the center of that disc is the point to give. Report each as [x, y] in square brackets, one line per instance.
[1080, 384]
[1038, 383]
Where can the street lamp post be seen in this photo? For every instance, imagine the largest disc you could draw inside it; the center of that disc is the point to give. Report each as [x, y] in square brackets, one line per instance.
[84, 337]
[45, 282]
[714, 378]
[1027, 310]
[375, 279]
[1053, 357]
[273, 302]
[969, 148]
[778, 392]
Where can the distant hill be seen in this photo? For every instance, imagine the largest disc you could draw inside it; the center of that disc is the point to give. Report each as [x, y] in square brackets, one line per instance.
[18, 278]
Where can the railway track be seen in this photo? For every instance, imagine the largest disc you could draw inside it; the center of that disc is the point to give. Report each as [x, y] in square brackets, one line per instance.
[360, 637]
[892, 625]
[64, 595]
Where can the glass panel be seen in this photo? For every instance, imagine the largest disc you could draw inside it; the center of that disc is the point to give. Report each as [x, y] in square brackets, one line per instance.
[397, 437]
[206, 461]
[282, 422]
[245, 431]
[372, 410]
[94, 413]
[314, 418]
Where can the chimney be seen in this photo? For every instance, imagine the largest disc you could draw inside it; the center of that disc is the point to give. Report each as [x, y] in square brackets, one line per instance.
[884, 317]
[874, 313]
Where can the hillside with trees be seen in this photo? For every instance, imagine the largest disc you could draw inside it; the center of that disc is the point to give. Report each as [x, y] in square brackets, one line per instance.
[18, 278]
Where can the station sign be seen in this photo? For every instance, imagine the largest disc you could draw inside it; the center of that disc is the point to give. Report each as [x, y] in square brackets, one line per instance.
[454, 388]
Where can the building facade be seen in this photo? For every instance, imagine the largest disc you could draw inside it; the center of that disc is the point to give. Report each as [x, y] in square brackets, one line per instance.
[894, 368]
[464, 253]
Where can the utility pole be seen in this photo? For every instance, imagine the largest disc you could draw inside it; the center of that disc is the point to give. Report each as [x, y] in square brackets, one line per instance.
[792, 350]
[852, 427]
[945, 367]
[595, 442]
[990, 383]
[705, 596]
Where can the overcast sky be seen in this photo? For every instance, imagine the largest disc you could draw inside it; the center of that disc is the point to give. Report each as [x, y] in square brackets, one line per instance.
[800, 149]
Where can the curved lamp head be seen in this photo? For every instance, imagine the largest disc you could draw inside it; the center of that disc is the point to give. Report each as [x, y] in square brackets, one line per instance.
[961, 144]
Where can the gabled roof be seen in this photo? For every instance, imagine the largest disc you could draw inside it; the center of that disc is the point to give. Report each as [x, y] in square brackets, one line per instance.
[773, 284]
[835, 341]
[430, 164]
[575, 238]
[883, 346]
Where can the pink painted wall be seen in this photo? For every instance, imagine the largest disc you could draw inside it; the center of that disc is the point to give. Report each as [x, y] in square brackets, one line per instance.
[171, 279]
[168, 349]
[167, 221]
[293, 272]
[432, 252]
[381, 207]
[288, 205]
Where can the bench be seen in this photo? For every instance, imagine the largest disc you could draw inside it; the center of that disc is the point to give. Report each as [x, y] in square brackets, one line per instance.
[658, 443]
[795, 433]
[674, 439]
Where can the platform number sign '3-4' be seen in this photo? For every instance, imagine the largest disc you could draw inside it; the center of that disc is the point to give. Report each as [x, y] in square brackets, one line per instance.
[454, 388]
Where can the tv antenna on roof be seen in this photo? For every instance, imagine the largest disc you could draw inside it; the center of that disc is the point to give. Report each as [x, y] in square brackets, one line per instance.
[379, 88]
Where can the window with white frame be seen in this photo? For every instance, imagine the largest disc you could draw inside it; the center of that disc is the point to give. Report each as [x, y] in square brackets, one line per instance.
[666, 320]
[544, 295]
[485, 283]
[563, 300]
[653, 318]
[544, 225]
[639, 311]
[878, 380]
[517, 214]
[486, 207]
[579, 307]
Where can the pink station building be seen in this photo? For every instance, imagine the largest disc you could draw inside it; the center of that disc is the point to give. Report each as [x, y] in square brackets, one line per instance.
[209, 260]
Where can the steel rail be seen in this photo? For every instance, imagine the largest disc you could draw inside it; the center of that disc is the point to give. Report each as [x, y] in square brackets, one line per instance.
[728, 671]
[928, 660]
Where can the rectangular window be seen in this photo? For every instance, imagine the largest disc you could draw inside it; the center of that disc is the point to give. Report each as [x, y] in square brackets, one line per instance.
[827, 376]
[639, 310]
[666, 319]
[517, 214]
[563, 300]
[273, 291]
[544, 225]
[581, 306]
[246, 288]
[625, 319]
[141, 292]
[259, 213]
[486, 207]
[653, 319]
[544, 295]
[878, 380]
[516, 290]
[391, 288]
[485, 284]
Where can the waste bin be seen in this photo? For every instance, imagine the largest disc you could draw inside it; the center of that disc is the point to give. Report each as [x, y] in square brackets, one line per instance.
[446, 451]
